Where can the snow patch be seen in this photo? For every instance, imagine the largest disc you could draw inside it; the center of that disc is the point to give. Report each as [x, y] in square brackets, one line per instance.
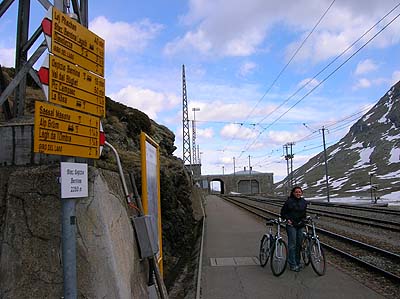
[356, 145]
[391, 175]
[337, 184]
[394, 155]
[364, 158]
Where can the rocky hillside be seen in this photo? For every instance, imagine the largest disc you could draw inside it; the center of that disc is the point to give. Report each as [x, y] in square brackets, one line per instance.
[122, 127]
[372, 146]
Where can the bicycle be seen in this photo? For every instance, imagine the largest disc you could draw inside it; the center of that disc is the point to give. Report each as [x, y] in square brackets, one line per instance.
[311, 249]
[274, 246]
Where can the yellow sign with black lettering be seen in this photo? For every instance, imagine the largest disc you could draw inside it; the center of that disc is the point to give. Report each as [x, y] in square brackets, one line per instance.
[77, 44]
[61, 131]
[74, 87]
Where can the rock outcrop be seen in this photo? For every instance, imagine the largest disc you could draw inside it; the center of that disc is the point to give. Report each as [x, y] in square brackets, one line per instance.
[108, 262]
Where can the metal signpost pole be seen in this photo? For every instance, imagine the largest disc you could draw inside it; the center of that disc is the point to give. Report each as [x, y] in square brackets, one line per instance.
[68, 221]
[69, 245]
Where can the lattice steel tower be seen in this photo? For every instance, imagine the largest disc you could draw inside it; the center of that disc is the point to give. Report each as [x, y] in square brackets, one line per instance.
[187, 157]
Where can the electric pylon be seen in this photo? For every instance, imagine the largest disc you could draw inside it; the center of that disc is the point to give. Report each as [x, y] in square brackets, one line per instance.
[186, 157]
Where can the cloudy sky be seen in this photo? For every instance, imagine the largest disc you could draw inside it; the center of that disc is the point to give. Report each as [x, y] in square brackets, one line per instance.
[263, 73]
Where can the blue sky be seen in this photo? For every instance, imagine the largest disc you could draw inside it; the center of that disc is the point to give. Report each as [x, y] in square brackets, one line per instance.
[241, 70]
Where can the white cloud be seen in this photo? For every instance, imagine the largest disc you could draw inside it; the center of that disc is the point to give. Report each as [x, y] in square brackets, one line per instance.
[215, 28]
[311, 83]
[365, 66]
[282, 137]
[190, 40]
[247, 68]
[220, 111]
[206, 133]
[395, 77]
[146, 100]
[125, 36]
[239, 132]
[7, 57]
[362, 83]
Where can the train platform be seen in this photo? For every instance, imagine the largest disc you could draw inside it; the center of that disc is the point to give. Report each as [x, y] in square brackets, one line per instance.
[230, 267]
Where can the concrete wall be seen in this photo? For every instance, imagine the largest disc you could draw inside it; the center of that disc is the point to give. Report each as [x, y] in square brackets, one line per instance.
[108, 263]
[231, 182]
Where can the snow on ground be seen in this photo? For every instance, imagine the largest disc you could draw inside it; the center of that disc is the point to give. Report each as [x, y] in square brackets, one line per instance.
[339, 183]
[391, 175]
[391, 199]
[355, 145]
[395, 155]
[320, 182]
[365, 153]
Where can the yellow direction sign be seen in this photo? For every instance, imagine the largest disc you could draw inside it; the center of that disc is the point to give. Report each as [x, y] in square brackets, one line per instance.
[74, 42]
[61, 131]
[73, 87]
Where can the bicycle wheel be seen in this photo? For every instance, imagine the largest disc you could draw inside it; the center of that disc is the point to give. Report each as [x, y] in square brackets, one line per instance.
[317, 257]
[279, 257]
[265, 250]
[305, 251]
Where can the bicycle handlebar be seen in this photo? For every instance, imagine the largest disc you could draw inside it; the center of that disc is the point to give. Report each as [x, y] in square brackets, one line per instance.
[275, 221]
[311, 218]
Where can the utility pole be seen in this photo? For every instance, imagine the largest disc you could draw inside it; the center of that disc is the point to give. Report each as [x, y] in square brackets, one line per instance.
[288, 157]
[371, 174]
[251, 191]
[291, 156]
[234, 174]
[326, 163]
[194, 135]
[285, 154]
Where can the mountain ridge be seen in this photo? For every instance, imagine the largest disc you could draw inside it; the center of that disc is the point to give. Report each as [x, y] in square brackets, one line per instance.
[368, 156]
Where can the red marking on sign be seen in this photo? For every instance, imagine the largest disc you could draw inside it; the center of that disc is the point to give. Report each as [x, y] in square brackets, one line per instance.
[102, 138]
[46, 26]
[44, 75]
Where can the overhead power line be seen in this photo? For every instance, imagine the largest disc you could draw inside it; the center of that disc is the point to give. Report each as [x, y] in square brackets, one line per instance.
[291, 58]
[331, 73]
[287, 64]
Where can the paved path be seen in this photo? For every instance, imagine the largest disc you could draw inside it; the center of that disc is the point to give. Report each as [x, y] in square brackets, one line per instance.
[230, 269]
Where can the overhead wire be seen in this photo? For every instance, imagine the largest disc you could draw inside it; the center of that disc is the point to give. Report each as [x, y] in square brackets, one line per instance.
[286, 65]
[334, 71]
[341, 123]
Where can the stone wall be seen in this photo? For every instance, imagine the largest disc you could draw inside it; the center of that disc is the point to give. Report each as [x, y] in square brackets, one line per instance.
[231, 182]
[108, 263]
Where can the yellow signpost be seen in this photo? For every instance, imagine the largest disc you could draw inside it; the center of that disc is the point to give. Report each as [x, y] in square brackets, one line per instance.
[74, 87]
[77, 44]
[74, 76]
[65, 132]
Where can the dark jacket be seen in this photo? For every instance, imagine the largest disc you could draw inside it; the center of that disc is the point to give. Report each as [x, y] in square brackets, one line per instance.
[294, 210]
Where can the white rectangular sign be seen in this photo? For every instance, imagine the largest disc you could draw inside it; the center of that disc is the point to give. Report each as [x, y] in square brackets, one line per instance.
[74, 180]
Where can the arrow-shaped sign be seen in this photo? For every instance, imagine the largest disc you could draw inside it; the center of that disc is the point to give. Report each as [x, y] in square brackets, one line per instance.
[73, 42]
[71, 86]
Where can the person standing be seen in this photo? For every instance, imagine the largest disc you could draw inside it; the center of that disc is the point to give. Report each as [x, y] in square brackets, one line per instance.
[294, 211]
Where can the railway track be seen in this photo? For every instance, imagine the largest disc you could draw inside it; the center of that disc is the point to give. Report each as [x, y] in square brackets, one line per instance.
[364, 220]
[372, 258]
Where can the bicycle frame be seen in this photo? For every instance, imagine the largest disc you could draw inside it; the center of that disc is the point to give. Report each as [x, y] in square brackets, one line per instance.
[315, 237]
[277, 237]
[275, 247]
[313, 252]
